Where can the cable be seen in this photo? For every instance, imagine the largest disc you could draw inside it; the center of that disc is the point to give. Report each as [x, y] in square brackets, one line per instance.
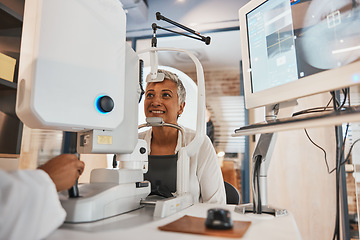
[322, 149]
[256, 185]
[338, 160]
[259, 210]
[337, 219]
[340, 146]
[325, 154]
[328, 103]
[343, 148]
[339, 157]
[336, 103]
[343, 143]
[339, 149]
[349, 98]
[255, 192]
[345, 92]
[339, 106]
[309, 111]
[348, 155]
[315, 109]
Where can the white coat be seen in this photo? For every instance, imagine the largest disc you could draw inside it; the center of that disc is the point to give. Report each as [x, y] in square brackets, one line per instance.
[29, 205]
[206, 180]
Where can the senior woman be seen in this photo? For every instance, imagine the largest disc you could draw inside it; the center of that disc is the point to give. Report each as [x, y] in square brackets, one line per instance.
[166, 99]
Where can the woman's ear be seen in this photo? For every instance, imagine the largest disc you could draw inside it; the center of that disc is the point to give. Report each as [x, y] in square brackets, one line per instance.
[181, 109]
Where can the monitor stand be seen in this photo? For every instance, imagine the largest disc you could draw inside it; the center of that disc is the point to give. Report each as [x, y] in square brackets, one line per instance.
[261, 161]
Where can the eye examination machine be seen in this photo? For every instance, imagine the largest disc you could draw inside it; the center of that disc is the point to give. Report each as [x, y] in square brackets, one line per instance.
[78, 74]
[73, 77]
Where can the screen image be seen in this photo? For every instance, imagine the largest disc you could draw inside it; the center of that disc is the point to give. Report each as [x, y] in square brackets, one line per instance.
[289, 40]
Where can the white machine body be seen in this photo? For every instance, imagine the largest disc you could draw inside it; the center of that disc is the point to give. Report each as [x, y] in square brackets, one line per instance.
[110, 192]
[72, 52]
[183, 199]
[170, 206]
[124, 137]
[138, 159]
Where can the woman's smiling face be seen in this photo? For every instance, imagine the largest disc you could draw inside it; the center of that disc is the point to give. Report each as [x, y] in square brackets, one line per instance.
[161, 100]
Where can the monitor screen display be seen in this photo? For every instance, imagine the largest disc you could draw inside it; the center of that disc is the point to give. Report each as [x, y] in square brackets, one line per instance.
[288, 40]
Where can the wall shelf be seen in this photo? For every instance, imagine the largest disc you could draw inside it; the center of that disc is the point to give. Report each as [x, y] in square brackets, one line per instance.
[7, 85]
[9, 18]
[10, 39]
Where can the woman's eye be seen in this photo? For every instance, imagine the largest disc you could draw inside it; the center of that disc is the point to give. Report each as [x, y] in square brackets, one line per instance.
[149, 95]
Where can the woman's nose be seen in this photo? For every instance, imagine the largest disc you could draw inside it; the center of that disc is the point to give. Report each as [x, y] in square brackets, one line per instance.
[155, 103]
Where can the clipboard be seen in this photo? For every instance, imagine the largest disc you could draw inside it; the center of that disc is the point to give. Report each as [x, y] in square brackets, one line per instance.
[196, 225]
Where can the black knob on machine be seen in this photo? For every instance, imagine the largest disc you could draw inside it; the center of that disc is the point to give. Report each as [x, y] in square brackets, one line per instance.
[106, 104]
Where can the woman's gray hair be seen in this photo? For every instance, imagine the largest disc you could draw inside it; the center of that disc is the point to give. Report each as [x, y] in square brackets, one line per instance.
[181, 92]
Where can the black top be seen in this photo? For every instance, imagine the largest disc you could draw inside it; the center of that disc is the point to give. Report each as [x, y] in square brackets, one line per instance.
[210, 130]
[162, 172]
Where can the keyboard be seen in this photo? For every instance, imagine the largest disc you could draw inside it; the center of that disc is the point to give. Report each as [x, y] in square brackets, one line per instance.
[298, 119]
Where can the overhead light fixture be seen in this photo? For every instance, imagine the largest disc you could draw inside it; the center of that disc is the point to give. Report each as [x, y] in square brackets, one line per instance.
[346, 49]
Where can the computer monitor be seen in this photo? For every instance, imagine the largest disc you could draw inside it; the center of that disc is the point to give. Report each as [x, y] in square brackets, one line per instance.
[292, 49]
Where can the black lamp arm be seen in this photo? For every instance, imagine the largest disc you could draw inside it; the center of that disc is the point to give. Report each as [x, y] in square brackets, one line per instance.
[199, 36]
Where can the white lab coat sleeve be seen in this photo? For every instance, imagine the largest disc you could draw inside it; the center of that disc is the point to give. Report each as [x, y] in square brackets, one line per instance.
[212, 189]
[29, 205]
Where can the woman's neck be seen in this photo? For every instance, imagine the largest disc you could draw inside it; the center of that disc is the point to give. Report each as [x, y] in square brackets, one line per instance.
[163, 140]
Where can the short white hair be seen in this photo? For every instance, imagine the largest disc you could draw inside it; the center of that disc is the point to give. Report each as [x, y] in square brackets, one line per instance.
[181, 92]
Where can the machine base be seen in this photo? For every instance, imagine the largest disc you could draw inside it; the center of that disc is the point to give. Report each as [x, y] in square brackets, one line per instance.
[165, 207]
[98, 201]
[249, 208]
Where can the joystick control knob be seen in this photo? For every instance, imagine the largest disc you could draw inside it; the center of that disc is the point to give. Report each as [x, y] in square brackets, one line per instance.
[105, 104]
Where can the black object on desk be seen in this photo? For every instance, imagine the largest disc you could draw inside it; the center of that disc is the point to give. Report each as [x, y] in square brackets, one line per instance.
[218, 218]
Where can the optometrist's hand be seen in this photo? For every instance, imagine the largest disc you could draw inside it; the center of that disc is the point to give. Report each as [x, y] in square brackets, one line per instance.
[64, 170]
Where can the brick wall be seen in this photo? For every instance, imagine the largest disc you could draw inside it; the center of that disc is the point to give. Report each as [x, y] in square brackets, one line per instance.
[221, 86]
[220, 82]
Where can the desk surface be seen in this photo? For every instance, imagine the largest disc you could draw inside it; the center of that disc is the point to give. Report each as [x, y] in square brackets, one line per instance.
[140, 224]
